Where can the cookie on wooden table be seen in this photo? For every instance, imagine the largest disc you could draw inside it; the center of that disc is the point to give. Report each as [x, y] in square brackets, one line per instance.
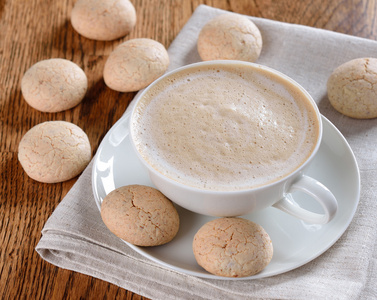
[135, 64]
[54, 85]
[103, 20]
[54, 151]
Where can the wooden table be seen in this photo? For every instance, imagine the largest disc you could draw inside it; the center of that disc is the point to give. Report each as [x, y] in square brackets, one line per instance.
[32, 30]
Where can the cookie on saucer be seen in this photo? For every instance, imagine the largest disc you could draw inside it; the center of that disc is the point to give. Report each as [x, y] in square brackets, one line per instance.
[140, 215]
[232, 247]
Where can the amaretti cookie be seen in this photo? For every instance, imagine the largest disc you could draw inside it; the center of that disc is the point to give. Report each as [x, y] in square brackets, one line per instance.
[135, 64]
[103, 20]
[140, 215]
[232, 247]
[54, 151]
[230, 37]
[352, 88]
[54, 85]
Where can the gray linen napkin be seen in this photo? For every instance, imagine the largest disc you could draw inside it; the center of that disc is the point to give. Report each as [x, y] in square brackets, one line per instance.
[75, 238]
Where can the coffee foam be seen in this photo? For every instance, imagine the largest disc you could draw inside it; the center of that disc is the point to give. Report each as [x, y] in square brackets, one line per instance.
[226, 128]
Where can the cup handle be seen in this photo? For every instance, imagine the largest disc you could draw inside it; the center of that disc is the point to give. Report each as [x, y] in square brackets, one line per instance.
[316, 190]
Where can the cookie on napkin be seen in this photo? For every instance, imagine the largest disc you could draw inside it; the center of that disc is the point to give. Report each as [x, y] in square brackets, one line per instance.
[352, 88]
[230, 36]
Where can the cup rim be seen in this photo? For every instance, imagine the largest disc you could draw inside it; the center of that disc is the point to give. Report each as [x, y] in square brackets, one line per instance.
[228, 192]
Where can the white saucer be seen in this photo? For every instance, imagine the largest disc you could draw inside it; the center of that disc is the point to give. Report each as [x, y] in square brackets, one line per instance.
[295, 242]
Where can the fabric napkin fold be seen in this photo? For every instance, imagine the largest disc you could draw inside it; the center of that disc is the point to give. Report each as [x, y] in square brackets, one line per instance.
[75, 238]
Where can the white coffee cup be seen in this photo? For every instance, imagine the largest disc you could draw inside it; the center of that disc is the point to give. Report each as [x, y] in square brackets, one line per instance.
[244, 200]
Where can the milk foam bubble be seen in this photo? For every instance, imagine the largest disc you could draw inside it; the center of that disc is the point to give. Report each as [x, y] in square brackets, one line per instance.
[229, 127]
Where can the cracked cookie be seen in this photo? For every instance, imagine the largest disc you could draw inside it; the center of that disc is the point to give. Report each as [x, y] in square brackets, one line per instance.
[352, 88]
[54, 151]
[232, 247]
[103, 20]
[140, 215]
[135, 64]
[54, 85]
[230, 36]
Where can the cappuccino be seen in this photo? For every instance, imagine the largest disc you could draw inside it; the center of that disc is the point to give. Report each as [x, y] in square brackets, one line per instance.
[225, 127]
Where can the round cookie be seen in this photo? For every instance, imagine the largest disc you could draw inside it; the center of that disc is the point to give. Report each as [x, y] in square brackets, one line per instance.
[352, 88]
[54, 85]
[230, 37]
[103, 20]
[135, 64]
[232, 247]
[54, 151]
[140, 215]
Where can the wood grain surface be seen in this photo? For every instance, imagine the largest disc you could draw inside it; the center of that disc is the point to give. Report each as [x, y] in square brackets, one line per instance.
[33, 30]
